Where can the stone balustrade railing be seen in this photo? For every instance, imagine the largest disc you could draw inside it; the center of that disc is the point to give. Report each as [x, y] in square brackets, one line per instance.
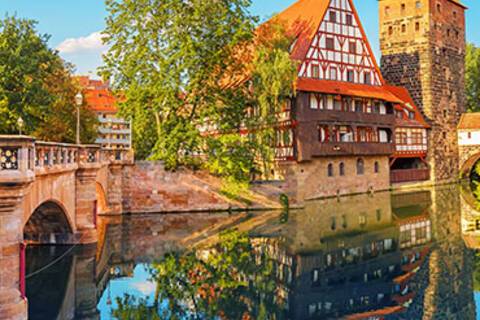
[21, 157]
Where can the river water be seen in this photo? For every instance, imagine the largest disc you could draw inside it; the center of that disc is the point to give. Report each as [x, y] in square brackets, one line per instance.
[408, 255]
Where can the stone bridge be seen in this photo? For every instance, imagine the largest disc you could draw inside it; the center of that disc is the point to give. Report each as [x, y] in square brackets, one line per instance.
[50, 193]
[468, 157]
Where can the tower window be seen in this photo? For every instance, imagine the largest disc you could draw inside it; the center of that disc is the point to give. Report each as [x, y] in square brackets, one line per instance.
[390, 30]
[333, 16]
[417, 26]
[377, 167]
[330, 44]
[403, 6]
[448, 32]
[439, 8]
[404, 28]
[349, 20]
[387, 10]
[418, 4]
[341, 169]
[455, 15]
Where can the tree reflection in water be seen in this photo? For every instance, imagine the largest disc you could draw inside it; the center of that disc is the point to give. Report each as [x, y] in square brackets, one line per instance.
[230, 280]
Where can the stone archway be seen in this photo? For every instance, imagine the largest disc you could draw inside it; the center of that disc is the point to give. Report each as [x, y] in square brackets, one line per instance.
[49, 224]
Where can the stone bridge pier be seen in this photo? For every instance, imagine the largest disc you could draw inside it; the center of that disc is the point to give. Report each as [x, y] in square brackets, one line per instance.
[50, 193]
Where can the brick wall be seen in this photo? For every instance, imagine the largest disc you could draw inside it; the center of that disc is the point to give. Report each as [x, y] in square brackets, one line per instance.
[148, 187]
[310, 180]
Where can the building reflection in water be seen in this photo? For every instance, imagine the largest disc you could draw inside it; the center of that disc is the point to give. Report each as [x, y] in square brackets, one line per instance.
[391, 256]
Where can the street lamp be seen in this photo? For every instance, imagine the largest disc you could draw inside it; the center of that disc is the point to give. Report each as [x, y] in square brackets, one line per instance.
[78, 102]
[20, 124]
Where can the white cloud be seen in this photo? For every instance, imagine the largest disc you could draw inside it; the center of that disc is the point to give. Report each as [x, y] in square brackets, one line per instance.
[147, 288]
[91, 43]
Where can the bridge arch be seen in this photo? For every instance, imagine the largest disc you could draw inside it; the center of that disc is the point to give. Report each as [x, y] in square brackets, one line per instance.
[467, 166]
[101, 196]
[49, 224]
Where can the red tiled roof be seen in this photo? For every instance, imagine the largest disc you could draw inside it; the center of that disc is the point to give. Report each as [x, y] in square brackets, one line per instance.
[346, 88]
[470, 121]
[100, 100]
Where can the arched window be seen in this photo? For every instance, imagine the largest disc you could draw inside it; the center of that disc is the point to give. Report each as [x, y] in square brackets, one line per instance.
[330, 170]
[341, 169]
[377, 167]
[360, 167]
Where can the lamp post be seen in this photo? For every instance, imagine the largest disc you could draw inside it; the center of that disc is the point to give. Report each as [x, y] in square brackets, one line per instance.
[78, 102]
[20, 124]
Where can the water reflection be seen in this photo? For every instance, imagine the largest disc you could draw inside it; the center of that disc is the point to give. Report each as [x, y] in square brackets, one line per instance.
[386, 256]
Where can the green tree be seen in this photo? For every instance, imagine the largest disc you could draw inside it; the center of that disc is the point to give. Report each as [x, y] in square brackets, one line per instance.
[36, 84]
[188, 64]
[472, 78]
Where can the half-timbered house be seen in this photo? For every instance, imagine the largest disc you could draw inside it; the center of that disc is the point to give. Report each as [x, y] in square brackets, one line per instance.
[343, 118]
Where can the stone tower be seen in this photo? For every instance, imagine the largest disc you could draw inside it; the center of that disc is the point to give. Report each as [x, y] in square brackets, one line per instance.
[423, 48]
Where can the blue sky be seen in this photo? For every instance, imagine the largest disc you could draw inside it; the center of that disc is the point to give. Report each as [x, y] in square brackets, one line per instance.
[74, 25]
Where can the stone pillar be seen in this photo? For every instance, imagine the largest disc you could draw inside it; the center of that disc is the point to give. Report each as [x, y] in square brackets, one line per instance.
[115, 189]
[85, 205]
[85, 284]
[16, 175]
[12, 305]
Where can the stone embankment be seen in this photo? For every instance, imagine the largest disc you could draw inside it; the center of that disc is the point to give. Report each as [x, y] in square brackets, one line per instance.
[148, 188]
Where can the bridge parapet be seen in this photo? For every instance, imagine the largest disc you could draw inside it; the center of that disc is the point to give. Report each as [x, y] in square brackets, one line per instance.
[16, 159]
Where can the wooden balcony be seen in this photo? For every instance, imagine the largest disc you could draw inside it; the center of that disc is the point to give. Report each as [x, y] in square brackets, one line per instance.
[358, 118]
[352, 149]
[409, 175]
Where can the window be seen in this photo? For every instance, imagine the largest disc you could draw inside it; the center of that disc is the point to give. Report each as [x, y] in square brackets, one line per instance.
[333, 224]
[390, 30]
[352, 47]
[341, 169]
[404, 28]
[333, 73]
[360, 167]
[418, 4]
[401, 138]
[315, 71]
[402, 6]
[367, 78]
[337, 105]
[417, 26]
[315, 277]
[333, 16]
[349, 20]
[387, 10]
[377, 167]
[330, 170]
[417, 138]
[439, 8]
[411, 115]
[323, 133]
[330, 44]
[358, 106]
[350, 76]
[469, 135]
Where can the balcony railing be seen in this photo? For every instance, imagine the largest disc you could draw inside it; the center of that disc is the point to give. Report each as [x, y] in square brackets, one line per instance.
[409, 175]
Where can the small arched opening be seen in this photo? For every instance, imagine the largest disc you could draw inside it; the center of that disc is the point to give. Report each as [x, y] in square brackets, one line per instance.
[102, 206]
[48, 225]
